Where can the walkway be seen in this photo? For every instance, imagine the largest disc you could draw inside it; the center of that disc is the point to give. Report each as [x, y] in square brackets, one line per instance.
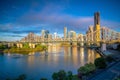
[108, 74]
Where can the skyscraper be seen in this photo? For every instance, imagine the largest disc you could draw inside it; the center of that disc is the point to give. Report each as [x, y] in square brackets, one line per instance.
[97, 26]
[65, 32]
[49, 36]
[80, 38]
[97, 18]
[55, 35]
[44, 34]
[91, 33]
[72, 35]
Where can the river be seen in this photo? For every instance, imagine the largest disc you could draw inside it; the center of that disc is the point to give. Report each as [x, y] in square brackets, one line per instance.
[36, 65]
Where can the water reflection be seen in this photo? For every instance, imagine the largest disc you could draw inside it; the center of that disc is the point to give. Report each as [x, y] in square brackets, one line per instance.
[76, 55]
[82, 56]
[54, 48]
[31, 60]
[31, 53]
[67, 58]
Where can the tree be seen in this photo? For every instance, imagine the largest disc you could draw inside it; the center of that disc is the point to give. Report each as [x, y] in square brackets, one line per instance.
[26, 45]
[55, 76]
[70, 75]
[2, 46]
[91, 67]
[21, 77]
[83, 70]
[100, 63]
[41, 47]
[86, 69]
[109, 59]
[61, 75]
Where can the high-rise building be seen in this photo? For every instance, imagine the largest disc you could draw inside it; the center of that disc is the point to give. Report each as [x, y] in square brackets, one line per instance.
[97, 26]
[49, 36]
[72, 35]
[55, 35]
[80, 37]
[91, 32]
[97, 18]
[44, 34]
[88, 35]
[65, 32]
[31, 37]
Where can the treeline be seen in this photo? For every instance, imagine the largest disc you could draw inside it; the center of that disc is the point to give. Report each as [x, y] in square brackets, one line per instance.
[26, 48]
[2, 47]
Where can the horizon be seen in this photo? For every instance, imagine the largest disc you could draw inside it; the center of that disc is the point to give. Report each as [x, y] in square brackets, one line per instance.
[18, 18]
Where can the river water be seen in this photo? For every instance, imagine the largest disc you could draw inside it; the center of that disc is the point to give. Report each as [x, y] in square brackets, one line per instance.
[36, 65]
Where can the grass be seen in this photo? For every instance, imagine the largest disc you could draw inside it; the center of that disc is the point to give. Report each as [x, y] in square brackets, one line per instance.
[25, 50]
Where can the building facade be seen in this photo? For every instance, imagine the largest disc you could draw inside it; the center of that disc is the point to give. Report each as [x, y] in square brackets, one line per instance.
[72, 35]
[65, 32]
[97, 27]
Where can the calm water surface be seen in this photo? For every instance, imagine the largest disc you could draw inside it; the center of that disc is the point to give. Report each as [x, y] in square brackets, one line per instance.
[37, 65]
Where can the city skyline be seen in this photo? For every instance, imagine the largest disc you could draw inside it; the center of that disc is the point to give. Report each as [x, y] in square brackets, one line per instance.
[18, 18]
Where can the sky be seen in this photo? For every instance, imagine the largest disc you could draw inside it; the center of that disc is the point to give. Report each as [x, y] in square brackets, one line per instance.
[19, 17]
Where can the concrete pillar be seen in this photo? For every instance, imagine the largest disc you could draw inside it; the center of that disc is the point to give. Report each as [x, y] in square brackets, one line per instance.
[21, 45]
[17, 45]
[30, 45]
[33, 45]
[74, 43]
[103, 47]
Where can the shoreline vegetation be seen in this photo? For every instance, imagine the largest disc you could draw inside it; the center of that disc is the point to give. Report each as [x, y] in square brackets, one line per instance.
[27, 49]
[24, 49]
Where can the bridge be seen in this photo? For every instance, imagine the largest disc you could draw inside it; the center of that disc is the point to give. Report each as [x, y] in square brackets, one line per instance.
[107, 36]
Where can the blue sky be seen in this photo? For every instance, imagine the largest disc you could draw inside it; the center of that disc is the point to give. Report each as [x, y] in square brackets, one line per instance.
[19, 17]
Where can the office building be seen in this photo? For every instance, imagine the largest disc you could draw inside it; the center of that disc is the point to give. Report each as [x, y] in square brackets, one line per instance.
[72, 35]
[65, 32]
[97, 26]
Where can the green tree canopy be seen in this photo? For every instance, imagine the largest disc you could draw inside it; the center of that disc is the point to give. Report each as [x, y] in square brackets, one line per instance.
[26, 45]
[86, 69]
[100, 63]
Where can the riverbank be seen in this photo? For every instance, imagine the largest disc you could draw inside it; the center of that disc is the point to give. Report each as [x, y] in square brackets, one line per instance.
[23, 50]
[115, 54]
[1, 51]
[112, 70]
[109, 73]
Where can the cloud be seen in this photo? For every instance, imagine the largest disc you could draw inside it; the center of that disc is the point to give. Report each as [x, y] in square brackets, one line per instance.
[111, 24]
[19, 29]
[22, 17]
[59, 20]
[12, 35]
[53, 17]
